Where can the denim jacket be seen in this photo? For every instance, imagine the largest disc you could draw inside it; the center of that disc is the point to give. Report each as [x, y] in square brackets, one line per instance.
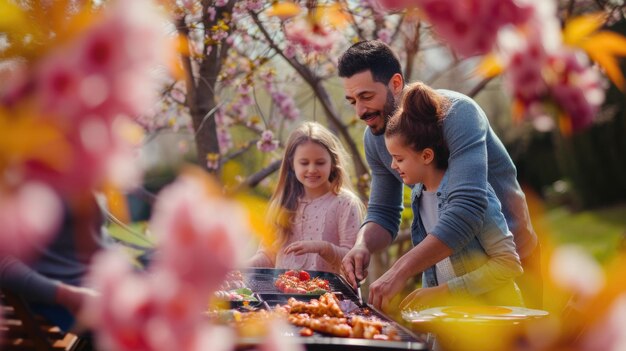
[477, 158]
[485, 262]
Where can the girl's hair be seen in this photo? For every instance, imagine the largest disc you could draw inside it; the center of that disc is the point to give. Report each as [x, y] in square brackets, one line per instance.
[419, 121]
[284, 201]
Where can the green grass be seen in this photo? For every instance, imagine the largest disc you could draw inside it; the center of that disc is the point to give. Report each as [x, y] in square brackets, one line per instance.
[601, 232]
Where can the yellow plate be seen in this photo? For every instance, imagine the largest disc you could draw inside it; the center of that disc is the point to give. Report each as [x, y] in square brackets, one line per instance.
[473, 313]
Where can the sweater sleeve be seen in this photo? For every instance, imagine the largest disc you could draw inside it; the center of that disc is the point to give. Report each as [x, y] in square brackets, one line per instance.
[385, 202]
[502, 266]
[20, 279]
[465, 130]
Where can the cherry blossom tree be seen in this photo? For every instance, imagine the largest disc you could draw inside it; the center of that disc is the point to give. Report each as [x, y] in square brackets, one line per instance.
[240, 54]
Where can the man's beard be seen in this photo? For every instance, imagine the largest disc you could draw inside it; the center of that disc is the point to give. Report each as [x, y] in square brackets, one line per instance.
[388, 109]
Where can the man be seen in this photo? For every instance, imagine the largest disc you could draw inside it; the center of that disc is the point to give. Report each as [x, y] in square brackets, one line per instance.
[373, 84]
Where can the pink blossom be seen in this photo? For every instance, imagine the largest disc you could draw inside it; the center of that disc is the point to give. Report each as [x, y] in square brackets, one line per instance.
[267, 142]
[524, 74]
[155, 311]
[290, 51]
[224, 139]
[254, 5]
[539, 69]
[310, 36]
[576, 88]
[221, 3]
[608, 333]
[87, 84]
[29, 216]
[211, 12]
[470, 27]
[185, 223]
[286, 105]
[384, 35]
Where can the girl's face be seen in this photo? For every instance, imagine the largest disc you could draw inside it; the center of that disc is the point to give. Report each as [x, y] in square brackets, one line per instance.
[406, 161]
[312, 165]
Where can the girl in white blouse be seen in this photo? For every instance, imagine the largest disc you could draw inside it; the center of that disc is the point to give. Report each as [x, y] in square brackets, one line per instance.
[314, 211]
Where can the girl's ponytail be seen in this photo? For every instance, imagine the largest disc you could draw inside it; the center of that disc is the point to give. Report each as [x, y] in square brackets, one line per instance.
[419, 121]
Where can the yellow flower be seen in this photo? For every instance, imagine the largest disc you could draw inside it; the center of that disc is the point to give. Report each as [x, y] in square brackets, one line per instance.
[284, 10]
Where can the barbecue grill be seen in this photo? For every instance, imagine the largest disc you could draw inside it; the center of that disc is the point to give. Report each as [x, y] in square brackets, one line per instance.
[261, 282]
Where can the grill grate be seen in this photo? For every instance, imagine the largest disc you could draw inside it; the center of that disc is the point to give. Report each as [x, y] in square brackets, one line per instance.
[261, 281]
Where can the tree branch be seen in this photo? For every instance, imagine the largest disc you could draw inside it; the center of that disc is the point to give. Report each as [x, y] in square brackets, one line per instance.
[254, 180]
[480, 86]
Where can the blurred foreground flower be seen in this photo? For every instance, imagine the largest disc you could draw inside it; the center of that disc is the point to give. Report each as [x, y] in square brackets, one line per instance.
[471, 27]
[541, 72]
[199, 237]
[28, 217]
[542, 67]
[189, 221]
[310, 34]
[67, 105]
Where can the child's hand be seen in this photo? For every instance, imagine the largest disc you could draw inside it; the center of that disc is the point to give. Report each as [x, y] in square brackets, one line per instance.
[424, 298]
[304, 247]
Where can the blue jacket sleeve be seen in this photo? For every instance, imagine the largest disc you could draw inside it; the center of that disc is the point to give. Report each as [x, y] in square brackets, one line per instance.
[20, 279]
[465, 130]
[385, 202]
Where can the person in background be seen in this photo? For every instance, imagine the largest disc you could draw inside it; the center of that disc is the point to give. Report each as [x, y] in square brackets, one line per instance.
[373, 84]
[52, 284]
[483, 268]
[314, 211]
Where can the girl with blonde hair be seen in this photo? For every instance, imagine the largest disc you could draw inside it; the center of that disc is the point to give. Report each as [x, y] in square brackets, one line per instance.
[314, 211]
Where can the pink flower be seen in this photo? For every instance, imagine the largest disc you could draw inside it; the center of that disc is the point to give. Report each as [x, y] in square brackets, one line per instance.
[290, 51]
[524, 75]
[86, 85]
[267, 142]
[155, 311]
[470, 27]
[211, 12]
[190, 224]
[384, 35]
[540, 69]
[576, 88]
[286, 105]
[310, 36]
[608, 333]
[224, 139]
[29, 216]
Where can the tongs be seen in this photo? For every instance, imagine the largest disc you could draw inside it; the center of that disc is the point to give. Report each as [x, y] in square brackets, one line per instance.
[358, 292]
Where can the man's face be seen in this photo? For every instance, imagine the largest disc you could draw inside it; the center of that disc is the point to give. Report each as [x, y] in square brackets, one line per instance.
[373, 101]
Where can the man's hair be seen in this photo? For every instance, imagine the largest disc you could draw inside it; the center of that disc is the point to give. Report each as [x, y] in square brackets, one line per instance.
[372, 55]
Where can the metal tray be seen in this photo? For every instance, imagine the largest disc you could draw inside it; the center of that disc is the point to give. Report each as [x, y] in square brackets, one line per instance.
[261, 280]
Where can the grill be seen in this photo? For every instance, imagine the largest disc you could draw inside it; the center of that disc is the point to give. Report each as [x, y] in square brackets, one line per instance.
[261, 281]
